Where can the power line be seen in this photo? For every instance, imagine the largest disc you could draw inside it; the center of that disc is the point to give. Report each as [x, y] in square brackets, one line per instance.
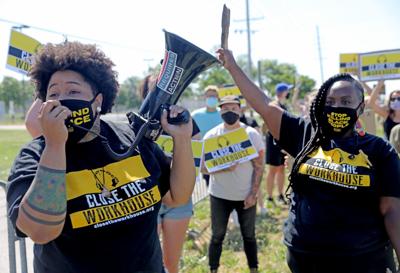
[66, 35]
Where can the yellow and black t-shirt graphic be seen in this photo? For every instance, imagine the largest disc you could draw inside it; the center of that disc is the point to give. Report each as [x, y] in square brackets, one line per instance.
[131, 194]
[338, 167]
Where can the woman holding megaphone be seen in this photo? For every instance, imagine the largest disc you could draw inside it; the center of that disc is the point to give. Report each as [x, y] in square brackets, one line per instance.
[85, 210]
[344, 211]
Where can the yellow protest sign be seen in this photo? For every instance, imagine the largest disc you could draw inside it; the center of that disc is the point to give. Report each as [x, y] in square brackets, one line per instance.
[223, 151]
[231, 90]
[380, 65]
[20, 52]
[167, 145]
[349, 63]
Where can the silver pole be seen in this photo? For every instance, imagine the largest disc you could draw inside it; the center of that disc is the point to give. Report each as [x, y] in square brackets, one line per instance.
[249, 64]
[320, 56]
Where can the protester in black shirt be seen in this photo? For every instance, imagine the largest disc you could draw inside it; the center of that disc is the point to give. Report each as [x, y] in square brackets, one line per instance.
[345, 189]
[85, 210]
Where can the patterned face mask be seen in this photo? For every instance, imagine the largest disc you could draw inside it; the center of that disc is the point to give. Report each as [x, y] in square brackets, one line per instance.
[338, 120]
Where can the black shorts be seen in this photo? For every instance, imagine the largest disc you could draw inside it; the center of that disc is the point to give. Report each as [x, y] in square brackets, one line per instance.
[273, 154]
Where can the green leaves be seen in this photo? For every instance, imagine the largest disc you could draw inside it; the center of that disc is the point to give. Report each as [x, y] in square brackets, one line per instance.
[20, 92]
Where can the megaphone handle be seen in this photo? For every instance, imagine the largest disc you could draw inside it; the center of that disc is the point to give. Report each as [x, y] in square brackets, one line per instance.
[119, 156]
[181, 118]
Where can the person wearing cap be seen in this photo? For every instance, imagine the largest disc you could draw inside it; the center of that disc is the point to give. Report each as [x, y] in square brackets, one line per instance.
[275, 158]
[208, 117]
[234, 188]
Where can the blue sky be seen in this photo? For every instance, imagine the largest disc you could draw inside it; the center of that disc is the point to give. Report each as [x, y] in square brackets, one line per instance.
[287, 32]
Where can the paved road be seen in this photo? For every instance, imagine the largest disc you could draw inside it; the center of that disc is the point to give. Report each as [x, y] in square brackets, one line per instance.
[12, 127]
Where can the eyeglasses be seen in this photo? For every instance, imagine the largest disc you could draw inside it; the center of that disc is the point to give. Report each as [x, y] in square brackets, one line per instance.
[394, 99]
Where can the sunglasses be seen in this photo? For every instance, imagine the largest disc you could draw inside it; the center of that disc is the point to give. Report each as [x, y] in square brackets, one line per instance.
[394, 99]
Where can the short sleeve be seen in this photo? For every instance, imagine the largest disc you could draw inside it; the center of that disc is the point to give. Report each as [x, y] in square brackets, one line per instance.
[165, 167]
[21, 176]
[388, 171]
[294, 133]
[256, 139]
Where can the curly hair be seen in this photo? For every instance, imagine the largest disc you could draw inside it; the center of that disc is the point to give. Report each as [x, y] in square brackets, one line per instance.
[85, 59]
[316, 116]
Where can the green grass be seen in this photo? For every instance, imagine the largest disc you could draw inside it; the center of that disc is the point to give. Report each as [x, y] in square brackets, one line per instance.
[11, 142]
[271, 251]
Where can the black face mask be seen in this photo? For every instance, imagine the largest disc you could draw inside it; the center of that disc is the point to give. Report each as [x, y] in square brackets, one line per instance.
[337, 121]
[81, 120]
[230, 117]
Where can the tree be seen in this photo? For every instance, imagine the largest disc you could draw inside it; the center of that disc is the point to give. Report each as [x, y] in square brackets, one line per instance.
[127, 97]
[273, 73]
[20, 92]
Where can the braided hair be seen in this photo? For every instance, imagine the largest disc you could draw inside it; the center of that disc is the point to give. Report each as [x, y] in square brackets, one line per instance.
[316, 117]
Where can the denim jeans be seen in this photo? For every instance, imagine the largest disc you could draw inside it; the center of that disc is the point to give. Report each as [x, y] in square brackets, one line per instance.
[220, 211]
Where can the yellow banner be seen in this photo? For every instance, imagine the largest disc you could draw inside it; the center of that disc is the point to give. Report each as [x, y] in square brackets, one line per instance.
[118, 211]
[380, 65]
[232, 90]
[223, 151]
[20, 52]
[113, 175]
[349, 63]
[167, 145]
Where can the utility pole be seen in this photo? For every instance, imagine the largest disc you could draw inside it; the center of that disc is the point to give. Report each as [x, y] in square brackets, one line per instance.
[321, 67]
[259, 73]
[249, 32]
[248, 39]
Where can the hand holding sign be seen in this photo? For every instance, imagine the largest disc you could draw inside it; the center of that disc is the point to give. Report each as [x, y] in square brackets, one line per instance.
[226, 17]
[228, 149]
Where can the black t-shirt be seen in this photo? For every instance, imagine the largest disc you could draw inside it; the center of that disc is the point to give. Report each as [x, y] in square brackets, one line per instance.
[196, 128]
[101, 234]
[249, 121]
[336, 194]
[388, 125]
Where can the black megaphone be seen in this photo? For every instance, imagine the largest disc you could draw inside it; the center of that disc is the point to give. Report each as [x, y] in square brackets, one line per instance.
[182, 63]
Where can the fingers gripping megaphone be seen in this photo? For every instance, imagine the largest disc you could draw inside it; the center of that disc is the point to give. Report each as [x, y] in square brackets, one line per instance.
[182, 62]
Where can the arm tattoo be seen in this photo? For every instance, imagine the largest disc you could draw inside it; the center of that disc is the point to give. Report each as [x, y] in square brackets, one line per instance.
[258, 169]
[40, 221]
[48, 194]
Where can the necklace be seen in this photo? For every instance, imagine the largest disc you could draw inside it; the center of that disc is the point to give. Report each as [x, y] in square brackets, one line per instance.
[101, 184]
